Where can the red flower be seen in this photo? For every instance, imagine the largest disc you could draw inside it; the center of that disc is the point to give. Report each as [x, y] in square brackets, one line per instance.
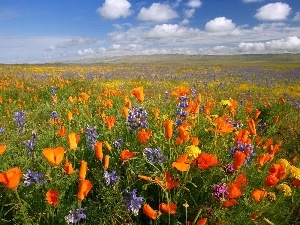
[148, 211]
[144, 136]
[171, 207]
[51, 197]
[239, 159]
[205, 160]
[126, 154]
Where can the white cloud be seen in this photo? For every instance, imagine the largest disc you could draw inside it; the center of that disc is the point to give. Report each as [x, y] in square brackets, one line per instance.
[88, 51]
[289, 44]
[273, 12]
[157, 12]
[170, 31]
[189, 13]
[194, 3]
[220, 24]
[249, 1]
[76, 41]
[114, 9]
[297, 17]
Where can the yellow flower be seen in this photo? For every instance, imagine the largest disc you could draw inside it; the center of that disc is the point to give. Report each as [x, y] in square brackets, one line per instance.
[193, 151]
[287, 191]
[294, 172]
[225, 103]
[286, 165]
[271, 196]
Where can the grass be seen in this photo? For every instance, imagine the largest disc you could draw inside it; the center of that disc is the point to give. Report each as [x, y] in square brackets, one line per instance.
[145, 166]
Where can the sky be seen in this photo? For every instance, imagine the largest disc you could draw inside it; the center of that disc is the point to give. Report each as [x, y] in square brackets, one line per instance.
[44, 31]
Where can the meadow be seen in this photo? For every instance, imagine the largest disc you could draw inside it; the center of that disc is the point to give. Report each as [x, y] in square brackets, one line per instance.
[180, 142]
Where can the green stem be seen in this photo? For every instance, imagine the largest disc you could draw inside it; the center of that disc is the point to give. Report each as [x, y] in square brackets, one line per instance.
[23, 210]
[195, 220]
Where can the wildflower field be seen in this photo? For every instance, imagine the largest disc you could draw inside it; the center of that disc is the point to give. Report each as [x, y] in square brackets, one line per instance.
[149, 143]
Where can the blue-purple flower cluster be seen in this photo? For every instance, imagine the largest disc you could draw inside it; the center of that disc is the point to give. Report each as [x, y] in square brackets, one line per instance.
[137, 117]
[75, 215]
[20, 120]
[110, 178]
[91, 133]
[180, 112]
[31, 143]
[118, 143]
[220, 191]
[33, 177]
[133, 202]
[243, 147]
[155, 155]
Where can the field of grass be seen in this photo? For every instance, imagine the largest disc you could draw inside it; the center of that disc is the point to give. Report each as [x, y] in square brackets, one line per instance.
[183, 141]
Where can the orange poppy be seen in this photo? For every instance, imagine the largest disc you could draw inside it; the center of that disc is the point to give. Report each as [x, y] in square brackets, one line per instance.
[262, 159]
[242, 136]
[222, 126]
[52, 197]
[76, 111]
[62, 131]
[228, 203]
[125, 111]
[69, 115]
[296, 183]
[83, 189]
[205, 160]
[171, 207]
[106, 161]
[276, 118]
[241, 181]
[183, 91]
[251, 125]
[138, 93]
[170, 182]
[268, 143]
[11, 178]
[179, 141]
[278, 170]
[84, 96]
[234, 191]
[54, 156]
[207, 108]
[98, 150]
[144, 136]
[258, 141]
[146, 178]
[83, 169]
[270, 180]
[68, 168]
[148, 211]
[199, 98]
[108, 103]
[107, 145]
[169, 129]
[156, 113]
[73, 140]
[126, 154]
[232, 107]
[182, 163]
[71, 100]
[110, 122]
[202, 221]
[239, 159]
[127, 102]
[2, 149]
[184, 134]
[258, 194]
[257, 113]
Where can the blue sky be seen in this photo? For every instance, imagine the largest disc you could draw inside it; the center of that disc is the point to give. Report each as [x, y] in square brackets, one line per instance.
[39, 31]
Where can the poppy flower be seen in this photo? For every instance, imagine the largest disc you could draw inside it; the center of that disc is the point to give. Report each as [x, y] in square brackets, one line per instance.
[241, 181]
[2, 149]
[11, 178]
[108, 103]
[182, 163]
[98, 150]
[251, 125]
[258, 141]
[184, 134]
[242, 136]
[258, 194]
[268, 143]
[54, 156]
[222, 126]
[110, 122]
[234, 191]
[205, 160]
[127, 102]
[71, 100]
[202, 221]
[107, 145]
[84, 96]
[257, 113]
[69, 115]
[278, 170]
[228, 203]
[239, 159]
[270, 180]
[52, 197]
[106, 161]
[169, 129]
[62, 131]
[199, 98]
[156, 113]
[179, 141]
[146, 178]
[207, 108]
[276, 118]
[144, 136]
[183, 91]
[126, 154]
[232, 107]
[171, 207]
[125, 111]
[138, 93]
[76, 111]
[82, 170]
[73, 140]
[83, 189]
[148, 211]
[68, 168]
[170, 183]
[195, 141]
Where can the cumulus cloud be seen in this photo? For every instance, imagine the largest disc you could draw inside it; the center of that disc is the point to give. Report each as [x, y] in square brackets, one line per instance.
[289, 44]
[194, 3]
[189, 13]
[273, 12]
[157, 12]
[88, 51]
[220, 24]
[170, 31]
[115, 9]
[297, 17]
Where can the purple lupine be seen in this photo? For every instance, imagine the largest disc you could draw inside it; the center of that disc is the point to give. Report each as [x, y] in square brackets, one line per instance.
[155, 156]
[133, 203]
[91, 132]
[33, 177]
[220, 191]
[75, 215]
[228, 168]
[110, 178]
